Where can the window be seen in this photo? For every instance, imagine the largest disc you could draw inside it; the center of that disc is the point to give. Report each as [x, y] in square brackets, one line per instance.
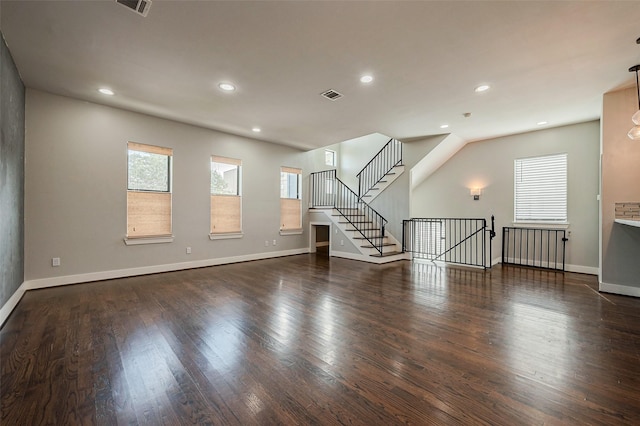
[226, 200]
[330, 157]
[541, 189]
[290, 199]
[148, 191]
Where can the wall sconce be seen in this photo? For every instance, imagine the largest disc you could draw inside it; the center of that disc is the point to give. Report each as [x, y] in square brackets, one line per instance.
[475, 193]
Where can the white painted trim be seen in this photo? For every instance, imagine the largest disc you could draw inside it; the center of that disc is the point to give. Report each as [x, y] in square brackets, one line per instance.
[227, 236]
[580, 269]
[541, 225]
[312, 234]
[8, 307]
[149, 240]
[624, 290]
[154, 269]
[291, 232]
[591, 270]
[370, 259]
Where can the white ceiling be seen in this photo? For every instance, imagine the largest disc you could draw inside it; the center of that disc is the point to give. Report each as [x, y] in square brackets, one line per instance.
[544, 60]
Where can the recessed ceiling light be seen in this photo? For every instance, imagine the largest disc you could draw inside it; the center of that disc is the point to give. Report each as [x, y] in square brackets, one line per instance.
[541, 123]
[482, 88]
[366, 79]
[444, 126]
[256, 129]
[106, 91]
[227, 87]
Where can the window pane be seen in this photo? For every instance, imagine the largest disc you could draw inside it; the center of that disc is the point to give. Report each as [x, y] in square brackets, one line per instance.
[290, 185]
[148, 171]
[224, 179]
[541, 188]
[330, 157]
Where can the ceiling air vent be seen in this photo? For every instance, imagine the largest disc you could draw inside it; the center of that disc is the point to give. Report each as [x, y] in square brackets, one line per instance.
[141, 7]
[331, 94]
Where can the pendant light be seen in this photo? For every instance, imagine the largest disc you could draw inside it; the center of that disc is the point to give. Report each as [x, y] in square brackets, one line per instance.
[634, 133]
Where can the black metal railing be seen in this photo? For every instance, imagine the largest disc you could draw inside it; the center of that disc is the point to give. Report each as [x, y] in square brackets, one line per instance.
[536, 247]
[329, 191]
[380, 165]
[451, 240]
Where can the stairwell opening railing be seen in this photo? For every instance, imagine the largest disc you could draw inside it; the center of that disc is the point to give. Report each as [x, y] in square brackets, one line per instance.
[535, 247]
[329, 191]
[452, 240]
[380, 165]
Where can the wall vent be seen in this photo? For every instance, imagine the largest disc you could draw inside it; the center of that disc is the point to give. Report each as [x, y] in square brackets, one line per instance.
[141, 7]
[331, 94]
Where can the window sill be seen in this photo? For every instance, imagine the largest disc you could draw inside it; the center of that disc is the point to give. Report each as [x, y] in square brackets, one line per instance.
[227, 236]
[148, 240]
[545, 225]
[291, 232]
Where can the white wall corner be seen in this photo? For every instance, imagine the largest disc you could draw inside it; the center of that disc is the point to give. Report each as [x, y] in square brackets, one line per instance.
[8, 307]
[436, 158]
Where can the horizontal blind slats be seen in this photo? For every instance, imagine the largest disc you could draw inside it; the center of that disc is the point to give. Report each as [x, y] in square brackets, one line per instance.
[541, 188]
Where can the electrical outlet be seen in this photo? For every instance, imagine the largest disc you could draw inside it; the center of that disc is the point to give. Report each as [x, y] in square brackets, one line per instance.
[188, 250]
[55, 261]
[274, 242]
[266, 243]
[341, 242]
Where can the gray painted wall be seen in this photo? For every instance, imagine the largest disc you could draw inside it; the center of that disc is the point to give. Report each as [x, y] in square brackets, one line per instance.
[394, 203]
[12, 102]
[76, 189]
[489, 164]
[355, 154]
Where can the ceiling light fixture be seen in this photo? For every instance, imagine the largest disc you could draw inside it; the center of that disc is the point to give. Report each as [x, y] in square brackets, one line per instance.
[227, 87]
[106, 91]
[541, 123]
[444, 126]
[256, 129]
[482, 88]
[634, 133]
[366, 79]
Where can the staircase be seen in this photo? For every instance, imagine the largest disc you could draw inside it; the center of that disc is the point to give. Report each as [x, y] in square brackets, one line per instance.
[381, 171]
[364, 226]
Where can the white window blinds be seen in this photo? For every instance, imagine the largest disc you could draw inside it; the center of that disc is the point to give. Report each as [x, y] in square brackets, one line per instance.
[541, 189]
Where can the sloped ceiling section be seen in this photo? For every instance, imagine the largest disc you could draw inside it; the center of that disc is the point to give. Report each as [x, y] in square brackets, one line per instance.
[544, 61]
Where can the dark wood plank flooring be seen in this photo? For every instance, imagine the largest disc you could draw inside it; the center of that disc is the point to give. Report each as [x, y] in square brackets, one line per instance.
[311, 340]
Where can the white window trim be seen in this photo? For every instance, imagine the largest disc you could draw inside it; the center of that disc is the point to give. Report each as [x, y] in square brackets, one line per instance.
[335, 158]
[147, 240]
[226, 236]
[291, 232]
[541, 225]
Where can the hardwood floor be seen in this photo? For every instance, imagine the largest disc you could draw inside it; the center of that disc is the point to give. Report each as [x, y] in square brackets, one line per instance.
[312, 340]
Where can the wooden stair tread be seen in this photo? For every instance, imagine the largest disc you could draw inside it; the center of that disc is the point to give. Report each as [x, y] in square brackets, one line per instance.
[391, 253]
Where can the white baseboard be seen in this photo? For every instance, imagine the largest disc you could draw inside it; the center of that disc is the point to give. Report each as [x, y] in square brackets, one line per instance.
[8, 307]
[624, 290]
[130, 272]
[581, 269]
